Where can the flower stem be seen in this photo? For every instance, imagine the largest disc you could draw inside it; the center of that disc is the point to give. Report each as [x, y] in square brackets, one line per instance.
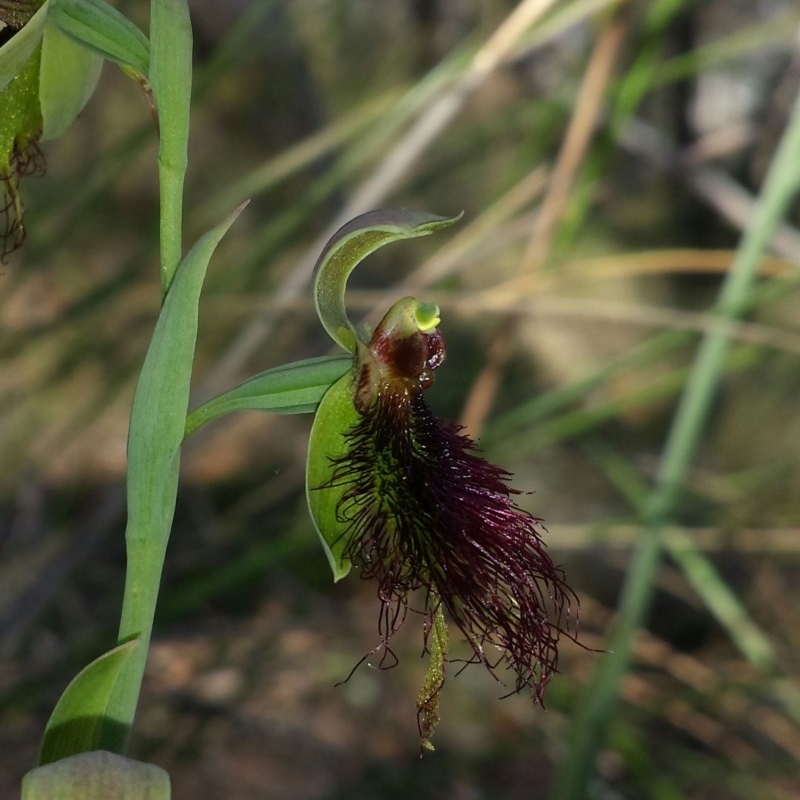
[171, 82]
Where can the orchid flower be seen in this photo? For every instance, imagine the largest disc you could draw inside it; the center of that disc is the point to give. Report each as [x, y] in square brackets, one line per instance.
[51, 55]
[406, 499]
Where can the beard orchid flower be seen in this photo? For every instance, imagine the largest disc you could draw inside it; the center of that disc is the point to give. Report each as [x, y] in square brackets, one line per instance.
[404, 497]
[51, 54]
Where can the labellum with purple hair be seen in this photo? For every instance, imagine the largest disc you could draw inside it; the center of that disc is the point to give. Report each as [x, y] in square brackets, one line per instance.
[405, 498]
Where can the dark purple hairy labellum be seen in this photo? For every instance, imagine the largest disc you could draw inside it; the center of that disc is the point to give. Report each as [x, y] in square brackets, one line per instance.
[423, 511]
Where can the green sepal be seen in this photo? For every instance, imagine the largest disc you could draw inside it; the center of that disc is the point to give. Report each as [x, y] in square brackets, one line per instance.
[350, 245]
[295, 388]
[98, 775]
[335, 416]
[78, 720]
[101, 28]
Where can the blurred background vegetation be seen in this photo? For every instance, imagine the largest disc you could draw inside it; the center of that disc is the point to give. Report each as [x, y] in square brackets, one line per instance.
[607, 159]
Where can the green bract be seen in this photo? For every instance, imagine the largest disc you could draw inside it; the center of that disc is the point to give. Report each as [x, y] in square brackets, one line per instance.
[338, 413]
[76, 724]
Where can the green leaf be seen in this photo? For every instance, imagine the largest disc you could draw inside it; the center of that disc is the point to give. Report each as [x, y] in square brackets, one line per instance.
[350, 245]
[98, 775]
[68, 74]
[335, 416]
[76, 723]
[101, 28]
[295, 388]
[158, 418]
[18, 49]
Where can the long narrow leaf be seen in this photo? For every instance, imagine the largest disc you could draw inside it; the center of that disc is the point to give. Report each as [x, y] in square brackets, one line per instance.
[158, 419]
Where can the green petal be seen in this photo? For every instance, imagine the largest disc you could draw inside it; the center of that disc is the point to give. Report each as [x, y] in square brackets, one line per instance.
[335, 416]
[295, 388]
[67, 77]
[350, 245]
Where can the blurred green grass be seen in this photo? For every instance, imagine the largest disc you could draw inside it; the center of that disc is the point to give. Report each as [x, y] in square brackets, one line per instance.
[572, 369]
